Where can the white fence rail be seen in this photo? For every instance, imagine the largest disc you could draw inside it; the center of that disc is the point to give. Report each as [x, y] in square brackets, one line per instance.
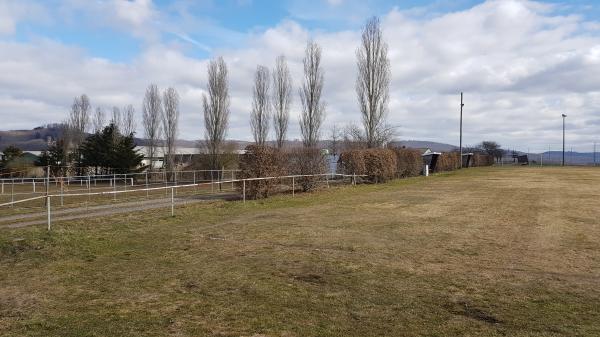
[173, 189]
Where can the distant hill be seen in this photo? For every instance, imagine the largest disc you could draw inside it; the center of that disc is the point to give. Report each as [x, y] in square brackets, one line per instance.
[38, 138]
[31, 140]
[420, 144]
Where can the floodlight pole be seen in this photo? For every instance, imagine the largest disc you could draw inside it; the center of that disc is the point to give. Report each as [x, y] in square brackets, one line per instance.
[461, 128]
[563, 150]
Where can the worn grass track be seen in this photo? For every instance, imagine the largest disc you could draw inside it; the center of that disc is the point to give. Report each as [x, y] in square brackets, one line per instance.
[480, 252]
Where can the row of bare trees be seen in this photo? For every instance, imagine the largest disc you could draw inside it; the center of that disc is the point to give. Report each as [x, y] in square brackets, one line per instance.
[272, 97]
[276, 104]
[160, 118]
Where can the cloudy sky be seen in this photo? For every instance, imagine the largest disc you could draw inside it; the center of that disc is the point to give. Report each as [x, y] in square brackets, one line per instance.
[520, 63]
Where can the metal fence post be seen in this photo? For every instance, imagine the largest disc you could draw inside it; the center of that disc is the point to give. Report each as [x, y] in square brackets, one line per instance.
[175, 180]
[12, 193]
[48, 211]
[244, 189]
[147, 184]
[114, 190]
[293, 186]
[172, 202]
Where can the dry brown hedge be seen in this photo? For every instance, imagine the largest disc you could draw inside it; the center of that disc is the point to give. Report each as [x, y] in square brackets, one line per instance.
[260, 161]
[378, 164]
[482, 160]
[409, 162]
[352, 162]
[306, 161]
[448, 161]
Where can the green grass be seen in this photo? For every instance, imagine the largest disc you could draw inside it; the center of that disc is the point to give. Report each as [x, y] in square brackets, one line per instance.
[480, 252]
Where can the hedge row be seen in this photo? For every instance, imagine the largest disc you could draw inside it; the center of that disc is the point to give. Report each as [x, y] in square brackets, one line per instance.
[265, 161]
[380, 165]
[482, 160]
[383, 164]
[448, 161]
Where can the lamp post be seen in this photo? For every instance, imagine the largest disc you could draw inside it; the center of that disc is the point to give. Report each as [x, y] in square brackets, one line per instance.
[563, 152]
[461, 118]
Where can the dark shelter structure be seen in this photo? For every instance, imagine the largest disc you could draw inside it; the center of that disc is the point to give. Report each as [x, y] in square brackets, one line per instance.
[430, 158]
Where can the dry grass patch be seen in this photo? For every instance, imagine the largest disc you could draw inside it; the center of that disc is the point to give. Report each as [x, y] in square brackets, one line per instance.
[479, 252]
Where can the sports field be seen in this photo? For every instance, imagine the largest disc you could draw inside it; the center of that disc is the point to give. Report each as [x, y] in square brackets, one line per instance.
[478, 252]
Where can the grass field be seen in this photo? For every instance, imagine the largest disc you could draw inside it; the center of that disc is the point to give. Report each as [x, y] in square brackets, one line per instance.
[479, 252]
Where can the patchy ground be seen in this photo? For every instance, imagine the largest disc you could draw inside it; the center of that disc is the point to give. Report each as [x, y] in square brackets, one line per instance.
[480, 252]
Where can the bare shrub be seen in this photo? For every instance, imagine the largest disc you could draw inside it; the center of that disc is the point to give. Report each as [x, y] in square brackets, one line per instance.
[448, 161]
[258, 162]
[409, 162]
[352, 162]
[380, 164]
[306, 161]
[482, 160]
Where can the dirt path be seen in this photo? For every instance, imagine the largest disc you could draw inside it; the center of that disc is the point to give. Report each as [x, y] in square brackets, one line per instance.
[31, 219]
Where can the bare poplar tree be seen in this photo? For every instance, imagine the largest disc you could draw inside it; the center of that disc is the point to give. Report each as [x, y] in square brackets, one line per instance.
[170, 120]
[216, 109]
[127, 125]
[259, 118]
[281, 99]
[79, 119]
[336, 135]
[313, 110]
[98, 120]
[151, 113]
[115, 118]
[373, 83]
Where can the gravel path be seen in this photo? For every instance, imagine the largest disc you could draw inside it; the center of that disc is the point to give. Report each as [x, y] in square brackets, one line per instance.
[31, 219]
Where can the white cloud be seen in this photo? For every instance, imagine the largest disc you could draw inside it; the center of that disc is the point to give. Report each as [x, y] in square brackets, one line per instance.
[519, 64]
[13, 12]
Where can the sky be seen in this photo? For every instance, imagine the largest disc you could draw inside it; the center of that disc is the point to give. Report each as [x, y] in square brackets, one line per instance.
[520, 64]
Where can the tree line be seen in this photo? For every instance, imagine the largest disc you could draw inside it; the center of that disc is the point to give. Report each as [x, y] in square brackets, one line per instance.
[110, 148]
[272, 97]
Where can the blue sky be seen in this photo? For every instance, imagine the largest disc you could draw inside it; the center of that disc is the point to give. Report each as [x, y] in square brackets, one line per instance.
[208, 22]
[521, 63]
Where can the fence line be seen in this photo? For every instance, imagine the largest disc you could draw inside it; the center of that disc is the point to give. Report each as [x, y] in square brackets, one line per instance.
[243, 181]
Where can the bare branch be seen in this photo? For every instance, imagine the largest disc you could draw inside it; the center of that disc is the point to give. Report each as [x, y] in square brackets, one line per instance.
[98, 120]
[372, 83]
[170, 120]
[259, 118]
[313, 110]
[216, 108]
[281, 99]
[151, 112]
[128, 125]
[79, 119]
